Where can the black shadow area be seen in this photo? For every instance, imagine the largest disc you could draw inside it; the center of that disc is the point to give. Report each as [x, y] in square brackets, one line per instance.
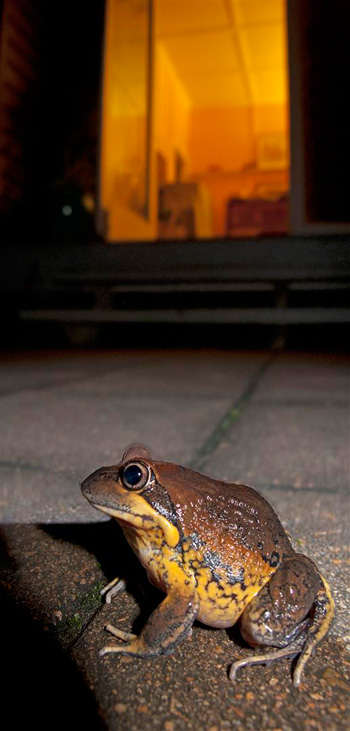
[41, 686]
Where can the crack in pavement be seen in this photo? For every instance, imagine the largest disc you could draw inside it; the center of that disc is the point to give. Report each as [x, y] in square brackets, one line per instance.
[230, 417]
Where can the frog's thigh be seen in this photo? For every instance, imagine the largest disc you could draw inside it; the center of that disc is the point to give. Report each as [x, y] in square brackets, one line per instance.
[167, 626]
[277, 614]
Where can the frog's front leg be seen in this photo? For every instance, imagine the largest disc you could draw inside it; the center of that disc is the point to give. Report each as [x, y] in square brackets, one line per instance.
[278, 615]
[167, 626]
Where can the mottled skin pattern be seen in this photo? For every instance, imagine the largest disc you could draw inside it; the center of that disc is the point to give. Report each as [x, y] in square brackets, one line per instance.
[220, 554]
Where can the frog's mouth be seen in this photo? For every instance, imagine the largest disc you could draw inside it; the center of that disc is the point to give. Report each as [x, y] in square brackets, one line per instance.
[127, 516]
[137, 513]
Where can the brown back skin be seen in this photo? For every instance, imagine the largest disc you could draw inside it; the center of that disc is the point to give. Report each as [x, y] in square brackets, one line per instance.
[224, 515]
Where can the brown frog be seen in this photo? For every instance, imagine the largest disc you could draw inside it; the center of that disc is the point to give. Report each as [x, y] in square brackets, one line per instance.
[220, 554]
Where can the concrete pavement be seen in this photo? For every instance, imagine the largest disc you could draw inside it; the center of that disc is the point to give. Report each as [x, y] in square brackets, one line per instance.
[279, 422]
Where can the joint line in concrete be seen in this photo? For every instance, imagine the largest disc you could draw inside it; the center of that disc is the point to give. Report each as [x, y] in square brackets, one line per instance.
[231, 416]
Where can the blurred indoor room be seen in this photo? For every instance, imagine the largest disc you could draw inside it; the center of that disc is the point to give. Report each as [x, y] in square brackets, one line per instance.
[197, 97]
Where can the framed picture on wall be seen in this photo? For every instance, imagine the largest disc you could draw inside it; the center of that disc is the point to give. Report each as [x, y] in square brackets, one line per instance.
[272, 151]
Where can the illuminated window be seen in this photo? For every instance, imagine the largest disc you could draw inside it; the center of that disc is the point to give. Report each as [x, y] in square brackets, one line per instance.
[195, 136]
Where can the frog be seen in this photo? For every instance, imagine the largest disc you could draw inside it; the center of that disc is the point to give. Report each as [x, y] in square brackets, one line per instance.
[219, 553]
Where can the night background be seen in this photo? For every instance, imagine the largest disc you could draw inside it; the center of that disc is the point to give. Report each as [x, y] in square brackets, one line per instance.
[55, 256]
[175, 272]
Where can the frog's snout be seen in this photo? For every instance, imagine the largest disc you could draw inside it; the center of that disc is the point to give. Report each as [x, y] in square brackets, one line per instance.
[95, 482]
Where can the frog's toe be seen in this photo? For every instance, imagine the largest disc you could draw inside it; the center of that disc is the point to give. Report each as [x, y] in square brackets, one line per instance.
[109, 649]
[135, 647]
[125, 636]
[130, 649]
[235, 667]
[263, 659]
[252, 660]
[112, 589]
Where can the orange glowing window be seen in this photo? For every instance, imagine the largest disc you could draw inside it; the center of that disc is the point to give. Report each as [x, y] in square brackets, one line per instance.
[203, 84]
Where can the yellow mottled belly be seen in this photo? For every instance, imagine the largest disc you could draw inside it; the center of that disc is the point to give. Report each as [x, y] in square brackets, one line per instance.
[220, 605]
[222, 601]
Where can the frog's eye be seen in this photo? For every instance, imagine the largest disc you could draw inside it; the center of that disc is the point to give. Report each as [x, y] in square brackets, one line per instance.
[136, 475]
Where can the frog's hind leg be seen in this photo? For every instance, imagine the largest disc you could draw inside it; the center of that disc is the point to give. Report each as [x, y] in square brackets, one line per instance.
[292, 612]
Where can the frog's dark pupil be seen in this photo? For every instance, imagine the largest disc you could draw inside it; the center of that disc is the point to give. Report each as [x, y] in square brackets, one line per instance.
[132, 475]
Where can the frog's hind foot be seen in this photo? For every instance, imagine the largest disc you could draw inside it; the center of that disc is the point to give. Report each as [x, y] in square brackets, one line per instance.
[266, 658]
[312, 630]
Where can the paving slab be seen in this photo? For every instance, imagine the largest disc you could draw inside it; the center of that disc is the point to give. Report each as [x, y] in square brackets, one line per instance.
[304, 446]
[278, 423]
[305, 378]
[36, 369]
[60, 432]
[182, 372]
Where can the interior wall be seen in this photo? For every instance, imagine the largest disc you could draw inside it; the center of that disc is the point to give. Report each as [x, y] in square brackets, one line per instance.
[225, 139]
[220, 139]
[171, 112]
[269, 118]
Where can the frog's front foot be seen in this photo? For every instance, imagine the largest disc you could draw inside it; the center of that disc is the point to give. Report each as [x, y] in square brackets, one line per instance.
[168, 625]
[121, 635]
